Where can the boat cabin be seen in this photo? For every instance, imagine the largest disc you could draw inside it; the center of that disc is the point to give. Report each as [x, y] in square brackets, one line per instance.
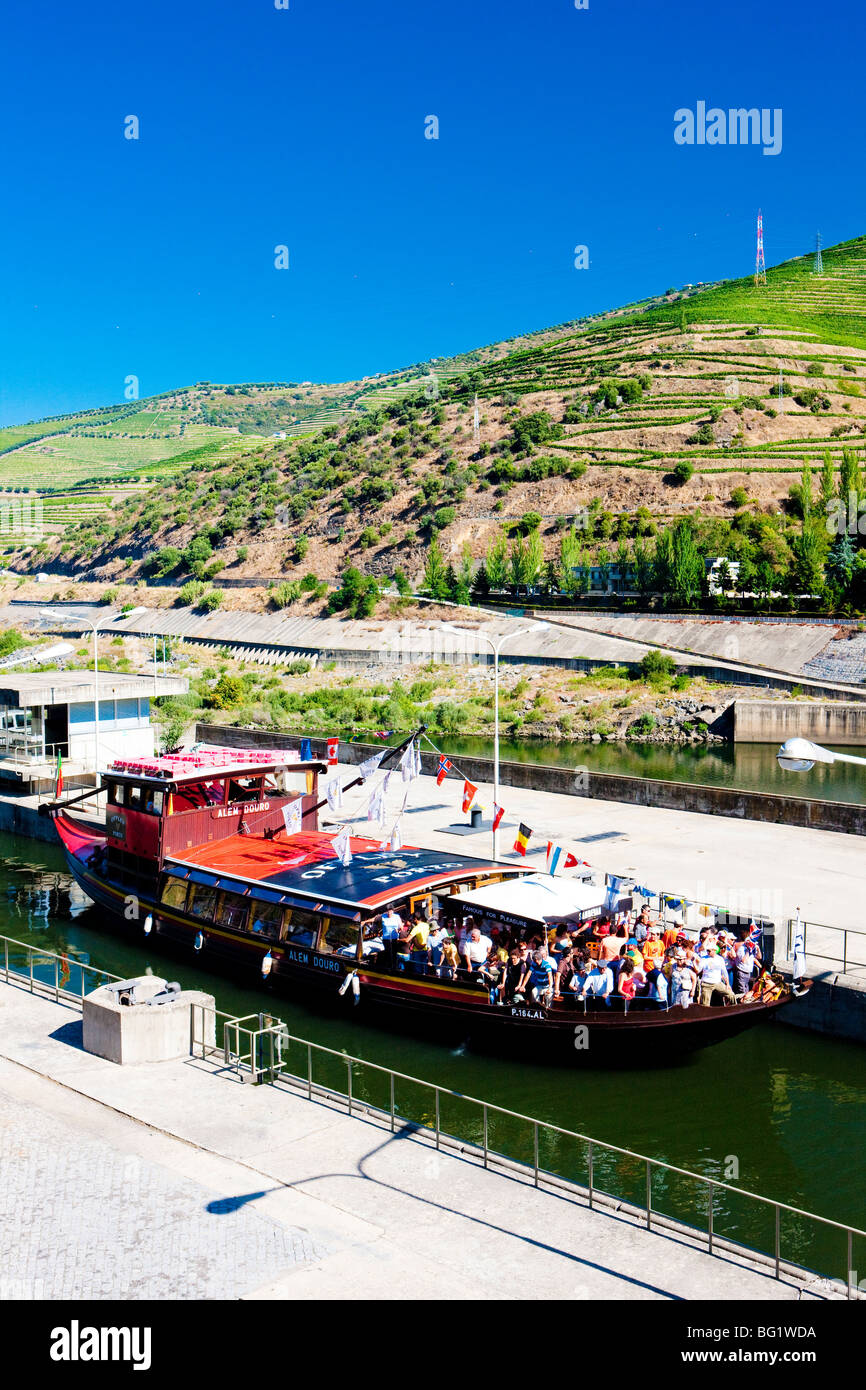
[168, 805]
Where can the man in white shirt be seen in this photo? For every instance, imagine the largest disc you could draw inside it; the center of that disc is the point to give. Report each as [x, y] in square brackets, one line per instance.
[599, 981]
[476, 949]
[392, 924]
[714, 980]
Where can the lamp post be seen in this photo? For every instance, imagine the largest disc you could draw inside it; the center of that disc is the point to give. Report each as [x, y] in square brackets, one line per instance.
[801, 755]
[109, 617]
[496, 648]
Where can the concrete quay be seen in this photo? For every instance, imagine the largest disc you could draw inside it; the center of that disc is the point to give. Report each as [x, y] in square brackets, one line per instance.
[173, 1180]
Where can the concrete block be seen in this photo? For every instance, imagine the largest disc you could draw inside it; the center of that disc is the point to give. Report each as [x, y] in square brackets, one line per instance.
[130, 1034]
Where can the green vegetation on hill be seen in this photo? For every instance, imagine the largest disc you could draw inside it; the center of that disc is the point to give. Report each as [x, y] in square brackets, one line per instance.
[592, 440]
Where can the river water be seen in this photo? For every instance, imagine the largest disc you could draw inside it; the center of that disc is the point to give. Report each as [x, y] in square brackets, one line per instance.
[778, 1110]
[747, 766]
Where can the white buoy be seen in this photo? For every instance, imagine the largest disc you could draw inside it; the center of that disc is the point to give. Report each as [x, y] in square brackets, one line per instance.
[199, 941]
[267, 965]
[356, 986]
[347, 982]
[148, 924]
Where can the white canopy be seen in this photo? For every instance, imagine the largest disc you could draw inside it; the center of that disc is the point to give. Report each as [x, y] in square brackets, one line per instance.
[534, 898]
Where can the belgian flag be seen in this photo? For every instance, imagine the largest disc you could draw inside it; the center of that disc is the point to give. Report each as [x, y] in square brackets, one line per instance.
[523, 837]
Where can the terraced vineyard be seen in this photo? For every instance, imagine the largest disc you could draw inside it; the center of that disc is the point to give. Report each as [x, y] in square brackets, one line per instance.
[615, 427]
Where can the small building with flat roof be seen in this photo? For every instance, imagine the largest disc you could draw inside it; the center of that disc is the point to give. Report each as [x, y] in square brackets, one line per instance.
[43, 713]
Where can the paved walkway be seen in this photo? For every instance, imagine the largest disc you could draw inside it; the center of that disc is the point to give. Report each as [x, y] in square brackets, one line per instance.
[173, 1180]
[754, 868]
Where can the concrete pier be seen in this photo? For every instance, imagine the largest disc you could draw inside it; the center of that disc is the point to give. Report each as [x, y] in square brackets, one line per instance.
[173, 1180]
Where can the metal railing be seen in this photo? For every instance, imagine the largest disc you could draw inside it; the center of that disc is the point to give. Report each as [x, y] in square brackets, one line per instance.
[853, 952]
[258, 1052]
[591, 1192]
[20, 747]
[63, 978]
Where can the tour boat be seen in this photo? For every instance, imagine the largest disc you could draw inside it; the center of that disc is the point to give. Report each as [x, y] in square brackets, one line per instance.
[196, 854]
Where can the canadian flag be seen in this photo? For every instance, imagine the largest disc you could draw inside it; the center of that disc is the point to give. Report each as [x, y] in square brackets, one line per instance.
[333, 751]
[468, 795]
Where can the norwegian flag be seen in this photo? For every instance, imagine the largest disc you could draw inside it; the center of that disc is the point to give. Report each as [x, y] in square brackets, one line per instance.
[468, 795]
[442, 771]
[498, 813]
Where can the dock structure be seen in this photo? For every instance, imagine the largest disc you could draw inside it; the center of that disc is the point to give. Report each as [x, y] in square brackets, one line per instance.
[174, 1181]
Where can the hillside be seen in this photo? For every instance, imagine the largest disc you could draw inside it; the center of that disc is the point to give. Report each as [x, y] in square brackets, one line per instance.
[608, 430]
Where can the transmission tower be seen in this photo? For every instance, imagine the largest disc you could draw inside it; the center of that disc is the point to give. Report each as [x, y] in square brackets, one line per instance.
[818, 267]
[760, 268]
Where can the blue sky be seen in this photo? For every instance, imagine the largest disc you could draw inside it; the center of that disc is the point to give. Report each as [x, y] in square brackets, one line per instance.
[305, 127]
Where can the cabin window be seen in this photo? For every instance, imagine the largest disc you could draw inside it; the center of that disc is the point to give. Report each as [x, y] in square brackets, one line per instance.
[301, 928]
[265, 919]
[153, 801]
[232, 911]
[174, 892]
[114, 793]
[341, 937]
[245, 788]
[202, 900]
[133, 798]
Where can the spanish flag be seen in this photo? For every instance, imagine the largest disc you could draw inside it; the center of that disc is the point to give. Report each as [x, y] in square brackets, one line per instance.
[58, 780]
[523, 836]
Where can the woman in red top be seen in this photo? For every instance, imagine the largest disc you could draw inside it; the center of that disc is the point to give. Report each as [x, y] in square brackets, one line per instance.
[626, 984]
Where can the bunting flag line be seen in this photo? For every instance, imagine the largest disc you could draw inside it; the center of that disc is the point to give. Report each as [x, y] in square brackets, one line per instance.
[293, 817]
[376, 808]
[442, 771]
[342, 848]
[369, 765]
[408, 765]
[469, 791]
[524, 835]
[334, 793]
[498, 813]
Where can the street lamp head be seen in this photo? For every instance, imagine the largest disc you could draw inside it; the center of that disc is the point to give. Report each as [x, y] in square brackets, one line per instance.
[132, 612]
[801, 755]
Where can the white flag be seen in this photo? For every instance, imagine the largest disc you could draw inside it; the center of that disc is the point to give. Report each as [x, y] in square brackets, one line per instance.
[396, 840]
[368, 767]
[799, 950]
[376, 808]
[293, 816]
[334, 792]
[341, 846]
[407, 764]
[418, 767]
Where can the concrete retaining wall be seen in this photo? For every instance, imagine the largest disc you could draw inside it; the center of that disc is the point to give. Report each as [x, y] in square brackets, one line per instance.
[605, 786]
[835, 1006]
[773, 721]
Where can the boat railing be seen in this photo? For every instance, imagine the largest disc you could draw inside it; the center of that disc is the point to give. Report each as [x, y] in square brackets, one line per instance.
[850, 954]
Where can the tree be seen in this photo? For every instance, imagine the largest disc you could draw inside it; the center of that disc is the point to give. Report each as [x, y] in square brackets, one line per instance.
[807, 571]
[480, 584]
[496, 562]
[643, 567]
[534, 557]
[679, 566]
[827, 483]
[840, 561]
[435, 573]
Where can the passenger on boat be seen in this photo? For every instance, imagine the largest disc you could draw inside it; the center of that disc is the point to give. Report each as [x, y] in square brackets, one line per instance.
[653, 948]
[714, 980]
[417, 939]
[436, 941]
[476, 950]
[683, 979]
[627, 983]
[747, 957]
[611, 946]
[450, 959]
[564, 972]
[542, 971]
[392, 925]
[598, 982]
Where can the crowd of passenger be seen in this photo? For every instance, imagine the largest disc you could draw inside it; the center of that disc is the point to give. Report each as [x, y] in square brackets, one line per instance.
[636, 956]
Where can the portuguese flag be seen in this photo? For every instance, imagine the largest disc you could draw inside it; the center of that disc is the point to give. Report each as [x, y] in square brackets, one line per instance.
[58, 780]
